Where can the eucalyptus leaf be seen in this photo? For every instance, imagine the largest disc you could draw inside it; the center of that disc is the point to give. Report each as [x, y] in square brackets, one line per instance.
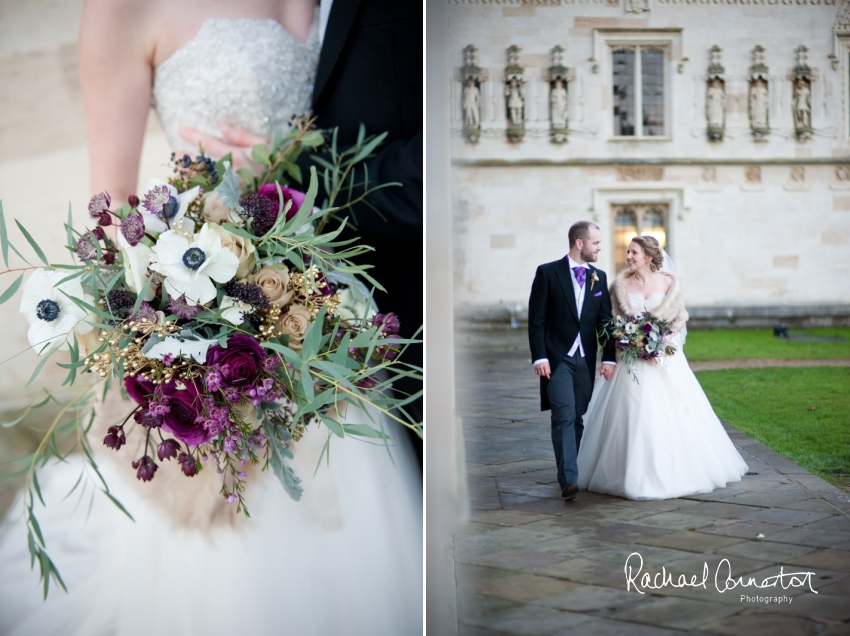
[12, 289]
[277, 460]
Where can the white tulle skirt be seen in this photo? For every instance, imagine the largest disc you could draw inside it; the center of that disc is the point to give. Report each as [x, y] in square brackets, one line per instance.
[656, 439]
[345, 560]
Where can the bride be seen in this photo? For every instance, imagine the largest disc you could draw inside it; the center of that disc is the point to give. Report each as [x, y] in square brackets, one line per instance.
[658, 437]
[347, 558]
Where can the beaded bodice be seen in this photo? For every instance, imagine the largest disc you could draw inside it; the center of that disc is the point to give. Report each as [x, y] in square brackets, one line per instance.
[251, 74]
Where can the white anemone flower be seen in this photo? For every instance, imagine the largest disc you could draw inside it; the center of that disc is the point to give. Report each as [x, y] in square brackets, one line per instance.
[51, 314]
[137, 259]
[160, 201]
[191, 267]
[234, 310]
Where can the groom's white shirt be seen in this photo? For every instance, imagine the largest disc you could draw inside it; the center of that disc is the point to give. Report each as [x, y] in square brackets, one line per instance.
[324, 14]
[579, 292]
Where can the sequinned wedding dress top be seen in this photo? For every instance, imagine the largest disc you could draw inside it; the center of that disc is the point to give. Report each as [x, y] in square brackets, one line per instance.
[345, 560]
[657, 438]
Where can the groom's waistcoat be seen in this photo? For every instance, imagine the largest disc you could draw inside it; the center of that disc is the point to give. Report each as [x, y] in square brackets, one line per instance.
[554, 321]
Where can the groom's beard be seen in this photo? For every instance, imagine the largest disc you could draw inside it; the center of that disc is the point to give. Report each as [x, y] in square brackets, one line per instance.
[588, 256]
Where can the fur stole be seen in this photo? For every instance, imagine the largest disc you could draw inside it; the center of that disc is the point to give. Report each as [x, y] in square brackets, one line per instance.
[672, 308]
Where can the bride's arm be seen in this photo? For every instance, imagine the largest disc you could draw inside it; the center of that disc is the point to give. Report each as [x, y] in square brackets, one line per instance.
[116, 53]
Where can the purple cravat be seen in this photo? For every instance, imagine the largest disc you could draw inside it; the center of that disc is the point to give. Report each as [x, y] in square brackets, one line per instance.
[580, 273]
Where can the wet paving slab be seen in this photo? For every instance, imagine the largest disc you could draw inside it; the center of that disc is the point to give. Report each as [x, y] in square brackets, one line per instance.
[530, 563]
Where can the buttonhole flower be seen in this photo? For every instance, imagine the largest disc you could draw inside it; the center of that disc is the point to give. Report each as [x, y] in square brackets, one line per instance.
[160, 201]
[51, 314]
[190, 267]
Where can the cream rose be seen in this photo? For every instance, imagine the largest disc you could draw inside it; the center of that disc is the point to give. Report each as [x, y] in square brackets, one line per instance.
[241, 247]
[275, 284]
[295, 323]
[216, 212]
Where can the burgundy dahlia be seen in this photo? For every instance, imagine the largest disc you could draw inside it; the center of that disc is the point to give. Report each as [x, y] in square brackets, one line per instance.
[239, 364]
[146, 468]
[647, 327]
[114, 437]
[167, 449]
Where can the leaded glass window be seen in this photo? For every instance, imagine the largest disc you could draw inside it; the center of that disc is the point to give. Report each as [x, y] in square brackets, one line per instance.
[638, 219]
[638, 87]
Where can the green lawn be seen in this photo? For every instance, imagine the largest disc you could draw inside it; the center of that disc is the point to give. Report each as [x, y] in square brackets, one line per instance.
[761, 343]
[802, 413]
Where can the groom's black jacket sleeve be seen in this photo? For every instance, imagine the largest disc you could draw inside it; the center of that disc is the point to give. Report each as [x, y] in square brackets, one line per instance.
[370, 72]
[552, 323]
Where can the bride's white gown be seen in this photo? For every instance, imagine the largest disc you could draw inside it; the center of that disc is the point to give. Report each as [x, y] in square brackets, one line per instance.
[656, 439]
[345, 560]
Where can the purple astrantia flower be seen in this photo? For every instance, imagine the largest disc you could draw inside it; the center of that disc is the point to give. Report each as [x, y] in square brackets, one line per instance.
[185, 418]
[146, 468]
[189, 464]
[133, 228]
[146, 311]
[99, 204]
[269, 191]
[86, 250]
[389, 352]
[115, 437]
[105, 219]
[387, 322]
[181, 308]
[157, 199]
[167, 449]
[366, 384]
[239, 364]
[133, 200]
[143, 418]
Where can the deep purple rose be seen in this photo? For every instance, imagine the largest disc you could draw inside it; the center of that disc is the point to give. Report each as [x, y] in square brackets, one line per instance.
[647, 327]
[183, 419]
[270, 192]
[239, 365]
[139, 389]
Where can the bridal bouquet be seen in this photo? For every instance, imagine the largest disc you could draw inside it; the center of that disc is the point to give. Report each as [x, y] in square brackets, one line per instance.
[640, 337]
[229, 315]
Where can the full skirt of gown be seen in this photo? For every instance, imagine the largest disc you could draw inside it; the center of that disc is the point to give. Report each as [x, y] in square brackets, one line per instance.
[657, 438]
[345, 560]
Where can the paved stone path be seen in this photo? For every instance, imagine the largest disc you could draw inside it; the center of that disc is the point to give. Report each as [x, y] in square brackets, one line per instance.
[530, 563]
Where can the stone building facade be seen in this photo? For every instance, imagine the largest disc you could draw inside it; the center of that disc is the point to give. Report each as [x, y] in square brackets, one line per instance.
[720, 126]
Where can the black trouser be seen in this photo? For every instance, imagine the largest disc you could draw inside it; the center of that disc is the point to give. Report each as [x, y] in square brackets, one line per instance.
[569, 393]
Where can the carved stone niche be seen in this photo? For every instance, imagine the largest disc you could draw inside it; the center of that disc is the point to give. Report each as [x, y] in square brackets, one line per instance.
[515, 95]
[559, 97]
[470, 74]
[801, 102]
[758, 102]
[715, 95]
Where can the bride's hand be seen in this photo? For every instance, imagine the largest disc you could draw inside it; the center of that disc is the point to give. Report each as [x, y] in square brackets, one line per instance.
[236, 141]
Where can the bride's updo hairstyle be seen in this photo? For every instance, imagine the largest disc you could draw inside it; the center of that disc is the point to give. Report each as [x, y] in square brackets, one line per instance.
[652, 250]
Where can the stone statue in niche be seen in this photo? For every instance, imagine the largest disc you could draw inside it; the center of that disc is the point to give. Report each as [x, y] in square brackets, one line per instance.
[759, 105]
[715, 96]
[558, 102]
[801, 103]
[559, 99]
[515, 103]
[471, 105]
[515, 95]
[471, 94]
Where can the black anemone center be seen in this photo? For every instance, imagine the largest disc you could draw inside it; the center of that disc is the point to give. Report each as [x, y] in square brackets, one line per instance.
[194, 258]
[170, 208]
[47, 310]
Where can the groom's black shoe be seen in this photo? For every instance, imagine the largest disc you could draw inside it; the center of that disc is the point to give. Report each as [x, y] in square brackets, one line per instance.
[569, 492]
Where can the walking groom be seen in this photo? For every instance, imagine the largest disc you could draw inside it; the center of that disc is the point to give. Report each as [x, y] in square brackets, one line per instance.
[567, 310]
